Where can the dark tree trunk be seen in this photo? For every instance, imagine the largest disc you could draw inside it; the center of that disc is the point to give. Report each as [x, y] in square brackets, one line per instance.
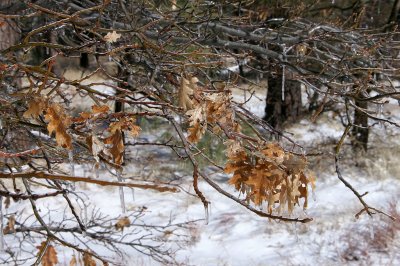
[394, 14]
[9, 31]
[84, 60]
[278, 109]
[360, 130]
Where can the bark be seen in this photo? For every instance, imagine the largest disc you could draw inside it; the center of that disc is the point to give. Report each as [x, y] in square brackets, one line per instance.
[279, 110]
[9, 31]
[360, 130]
[394, 14]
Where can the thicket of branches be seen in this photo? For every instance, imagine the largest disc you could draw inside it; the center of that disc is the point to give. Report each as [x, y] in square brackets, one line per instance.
[170, 66]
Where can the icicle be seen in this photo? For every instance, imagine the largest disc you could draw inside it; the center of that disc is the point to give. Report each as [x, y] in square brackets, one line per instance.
[121, 191]
[207, 214]
[1, 225]
[133, 194]
[371, 227]
[313, 195]
[283, 73]
[379, 113]
[71, 162]
[71, 166]
[296, 232]
[97, 170]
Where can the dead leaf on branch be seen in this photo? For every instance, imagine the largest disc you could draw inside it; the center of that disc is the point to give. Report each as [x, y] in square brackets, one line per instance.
[122, 223]
[49, 257]
[270, 175]
[73, 261]
[59, 122]
[197, 123]
[117, 146]
[116, 139]
[186, 89]
[97, 110]
[96, 146]
[214, 109]
[102, 109]
[88, 260]
[36, 107]
[7, 202]
[126, 124]
[112, 37]
[10, 227]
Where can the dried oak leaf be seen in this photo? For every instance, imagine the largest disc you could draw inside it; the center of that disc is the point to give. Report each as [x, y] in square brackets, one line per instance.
[88, 260]
[219, 111]
[96, 109]
[197, 123]
[122, 223]
[112, 36]
[36, 107]
[96, 146]
[117, 148]
[126, 124]
[186, 89]
[50, 255]
[59, 123]
[10, 227]
[7, 202]
[73, 261]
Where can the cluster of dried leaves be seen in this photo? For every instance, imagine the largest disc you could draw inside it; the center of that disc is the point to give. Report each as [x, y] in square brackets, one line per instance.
[50, 258]
[206, 108]
[269, 175]
[107, 142]
[58, 120]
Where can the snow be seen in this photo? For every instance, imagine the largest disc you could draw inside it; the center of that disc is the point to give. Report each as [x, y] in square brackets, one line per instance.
[235, 236]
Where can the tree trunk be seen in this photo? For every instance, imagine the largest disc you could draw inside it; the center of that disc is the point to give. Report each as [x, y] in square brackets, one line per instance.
[360, 130]
[9, 31]
[278, 109]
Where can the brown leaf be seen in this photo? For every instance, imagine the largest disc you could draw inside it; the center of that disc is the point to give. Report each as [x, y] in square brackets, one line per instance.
[269, 175]
[122, 223]
[36, 107]
[112, 36]
[186, 89]
[197, 122]
[96, 109]
[117, 148]
[59, 123]
[96, 146]
[83, 117]
[88, 260]
[127, 124]
[7, 202]
[73, 261]
[49, 257]
[10, 227]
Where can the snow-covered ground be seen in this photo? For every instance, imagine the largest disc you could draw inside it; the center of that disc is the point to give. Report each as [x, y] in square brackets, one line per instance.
[234, 236]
